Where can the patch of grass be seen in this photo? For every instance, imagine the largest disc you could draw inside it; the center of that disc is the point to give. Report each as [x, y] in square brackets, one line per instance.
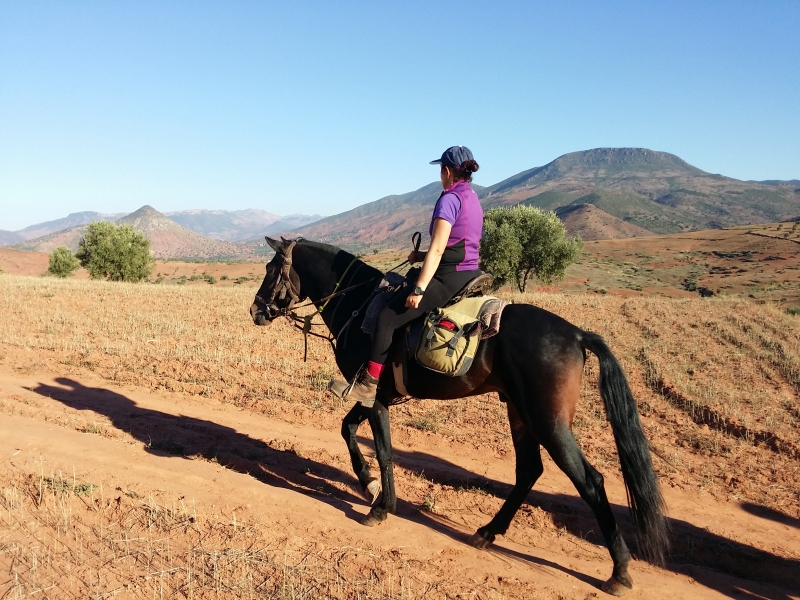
[424, 423]
[318, 380]
[65, 486]
[92, 428]
[793, 310]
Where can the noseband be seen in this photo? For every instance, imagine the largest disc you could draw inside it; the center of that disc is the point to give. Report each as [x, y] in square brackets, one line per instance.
[283, 287]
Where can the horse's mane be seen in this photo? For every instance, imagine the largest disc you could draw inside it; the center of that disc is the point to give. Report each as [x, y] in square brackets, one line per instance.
[332, 250]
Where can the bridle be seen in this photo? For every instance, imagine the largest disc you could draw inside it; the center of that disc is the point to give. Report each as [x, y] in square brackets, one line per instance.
[284, 286]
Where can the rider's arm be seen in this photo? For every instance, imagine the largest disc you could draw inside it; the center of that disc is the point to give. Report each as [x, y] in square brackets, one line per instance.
[441, 233]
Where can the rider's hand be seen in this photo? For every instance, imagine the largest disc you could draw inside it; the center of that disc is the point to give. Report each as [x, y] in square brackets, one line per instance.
[413, 300]
[416, 256]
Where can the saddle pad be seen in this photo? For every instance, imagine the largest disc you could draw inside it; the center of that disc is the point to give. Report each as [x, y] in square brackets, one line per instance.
[486, 309]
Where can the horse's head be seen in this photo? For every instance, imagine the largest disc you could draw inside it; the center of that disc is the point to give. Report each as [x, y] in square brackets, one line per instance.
[281, 286]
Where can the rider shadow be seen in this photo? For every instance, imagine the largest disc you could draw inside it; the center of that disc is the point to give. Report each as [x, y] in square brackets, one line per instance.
[171, 436]
[696, 552]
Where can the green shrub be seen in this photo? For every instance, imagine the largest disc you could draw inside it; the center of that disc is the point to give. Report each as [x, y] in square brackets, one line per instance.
[115, 253]
[793, 310]
[524, 240]
[62, 263]
[224, 278]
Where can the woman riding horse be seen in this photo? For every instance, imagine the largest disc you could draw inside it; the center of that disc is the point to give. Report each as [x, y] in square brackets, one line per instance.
[450, 263]
[534, 364]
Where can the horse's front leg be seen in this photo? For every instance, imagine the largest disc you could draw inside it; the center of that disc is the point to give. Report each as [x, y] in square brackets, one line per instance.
[379, 422]
[370, 486]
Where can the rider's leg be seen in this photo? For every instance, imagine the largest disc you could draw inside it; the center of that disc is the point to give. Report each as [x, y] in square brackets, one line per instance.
[394, 315]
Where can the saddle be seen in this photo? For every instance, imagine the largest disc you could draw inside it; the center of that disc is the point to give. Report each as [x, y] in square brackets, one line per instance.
[473, 316]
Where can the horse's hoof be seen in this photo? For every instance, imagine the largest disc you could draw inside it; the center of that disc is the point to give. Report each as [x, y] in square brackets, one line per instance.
[372, 491]
[615, 588]
[478, 541]
[370, 521]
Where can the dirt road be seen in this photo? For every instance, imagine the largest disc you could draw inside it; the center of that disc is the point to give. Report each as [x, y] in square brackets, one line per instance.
[288, 487]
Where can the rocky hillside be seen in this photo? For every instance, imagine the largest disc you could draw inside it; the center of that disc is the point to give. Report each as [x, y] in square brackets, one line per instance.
[655, 192]
[590, 223]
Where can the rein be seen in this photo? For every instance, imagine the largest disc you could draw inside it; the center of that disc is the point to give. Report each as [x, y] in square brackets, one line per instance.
[285, 285]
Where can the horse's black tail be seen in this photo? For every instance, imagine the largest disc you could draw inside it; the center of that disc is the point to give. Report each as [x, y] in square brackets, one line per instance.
[644, 497]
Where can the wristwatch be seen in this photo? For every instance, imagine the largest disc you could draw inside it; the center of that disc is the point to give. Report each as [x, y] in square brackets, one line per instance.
[419, 291]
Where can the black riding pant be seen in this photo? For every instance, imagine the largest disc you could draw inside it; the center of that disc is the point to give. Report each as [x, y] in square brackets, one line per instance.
[440, 290]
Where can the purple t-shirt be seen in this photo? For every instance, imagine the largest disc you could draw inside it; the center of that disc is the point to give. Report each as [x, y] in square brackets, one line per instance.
[459, 206]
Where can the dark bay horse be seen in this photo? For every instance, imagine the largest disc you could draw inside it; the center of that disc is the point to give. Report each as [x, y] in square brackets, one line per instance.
[534, 363]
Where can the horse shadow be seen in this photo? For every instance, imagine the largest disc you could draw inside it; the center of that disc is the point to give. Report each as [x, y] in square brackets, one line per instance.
[696, 552]
[170, 436]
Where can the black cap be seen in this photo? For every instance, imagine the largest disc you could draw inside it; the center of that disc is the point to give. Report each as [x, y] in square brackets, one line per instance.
[454, 157]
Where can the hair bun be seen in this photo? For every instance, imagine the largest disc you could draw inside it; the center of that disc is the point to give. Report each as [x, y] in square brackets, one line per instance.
[470, 166]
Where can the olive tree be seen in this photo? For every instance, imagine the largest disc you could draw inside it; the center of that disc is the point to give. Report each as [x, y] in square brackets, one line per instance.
[116, 253]
[524, 241]
[62, 263]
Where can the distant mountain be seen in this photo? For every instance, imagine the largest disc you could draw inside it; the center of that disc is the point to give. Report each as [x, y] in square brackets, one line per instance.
[9, 237]
[72, 220]
[285, 226]
[170, 240]
[167, 238]
[655, 191]
[385, 223]
[47, 243]
[222, 225]
[227, 225]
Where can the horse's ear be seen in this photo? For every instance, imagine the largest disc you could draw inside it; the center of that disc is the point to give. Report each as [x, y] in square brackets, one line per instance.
[284, 240]
[274, 244]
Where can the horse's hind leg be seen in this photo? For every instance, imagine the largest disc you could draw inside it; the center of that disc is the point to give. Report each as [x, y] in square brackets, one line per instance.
[588, 481]
[370, 486]
[529, 469]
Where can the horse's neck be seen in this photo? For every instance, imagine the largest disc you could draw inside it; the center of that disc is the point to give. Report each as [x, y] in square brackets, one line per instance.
[322, 271]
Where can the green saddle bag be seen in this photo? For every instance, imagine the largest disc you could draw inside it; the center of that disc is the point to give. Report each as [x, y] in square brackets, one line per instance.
[450, 336]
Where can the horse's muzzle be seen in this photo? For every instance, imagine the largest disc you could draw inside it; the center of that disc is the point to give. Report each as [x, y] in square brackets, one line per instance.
[259, 316]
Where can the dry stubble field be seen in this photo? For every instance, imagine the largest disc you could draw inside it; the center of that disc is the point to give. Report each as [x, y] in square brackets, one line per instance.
[157, 444]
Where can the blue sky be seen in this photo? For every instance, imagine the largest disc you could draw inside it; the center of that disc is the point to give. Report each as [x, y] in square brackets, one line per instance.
[317, 107]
